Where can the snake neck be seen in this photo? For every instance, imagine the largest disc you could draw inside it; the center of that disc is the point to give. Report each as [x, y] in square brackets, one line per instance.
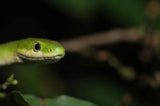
[6, 60]
[8, 54]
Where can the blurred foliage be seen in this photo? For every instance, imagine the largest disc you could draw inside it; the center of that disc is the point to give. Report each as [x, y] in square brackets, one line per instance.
[126, 12]
[38, 80]
[94, 88]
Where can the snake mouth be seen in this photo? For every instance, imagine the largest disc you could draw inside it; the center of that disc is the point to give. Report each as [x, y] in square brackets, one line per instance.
[51, 58]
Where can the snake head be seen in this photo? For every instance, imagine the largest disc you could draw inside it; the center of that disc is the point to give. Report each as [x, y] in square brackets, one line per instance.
[36, 49]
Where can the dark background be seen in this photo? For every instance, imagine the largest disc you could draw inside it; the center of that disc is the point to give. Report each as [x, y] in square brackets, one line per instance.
[61, 20]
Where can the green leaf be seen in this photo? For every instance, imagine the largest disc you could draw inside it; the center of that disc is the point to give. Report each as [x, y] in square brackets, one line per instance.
[67, 101]
[29, 100]
[58, 101]
[33, 100]
[17, 98]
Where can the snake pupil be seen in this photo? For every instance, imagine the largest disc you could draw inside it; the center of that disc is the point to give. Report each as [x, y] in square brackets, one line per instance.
[37, 46]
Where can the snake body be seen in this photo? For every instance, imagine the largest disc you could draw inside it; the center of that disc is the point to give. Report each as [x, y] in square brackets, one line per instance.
[31, 50]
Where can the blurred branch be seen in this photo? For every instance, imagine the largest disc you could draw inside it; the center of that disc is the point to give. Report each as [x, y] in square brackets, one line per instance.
[153, 81]
[126, 72]
[113, 36]
[81, 44]
[126, 100]
[152, 13]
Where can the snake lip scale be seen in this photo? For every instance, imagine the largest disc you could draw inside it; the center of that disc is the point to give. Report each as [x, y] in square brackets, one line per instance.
[40, 58]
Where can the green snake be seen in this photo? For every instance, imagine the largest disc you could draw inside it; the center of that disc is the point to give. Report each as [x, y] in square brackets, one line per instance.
[31, 50]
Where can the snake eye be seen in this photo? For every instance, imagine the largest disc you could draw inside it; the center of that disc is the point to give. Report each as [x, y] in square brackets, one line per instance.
[36, 47]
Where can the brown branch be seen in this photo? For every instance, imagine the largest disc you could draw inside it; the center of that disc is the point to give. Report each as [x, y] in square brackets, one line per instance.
[113, 36]
[84, 44]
